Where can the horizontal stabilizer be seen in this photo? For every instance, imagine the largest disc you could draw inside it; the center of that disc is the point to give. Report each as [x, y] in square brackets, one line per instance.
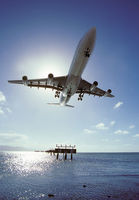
[69, 106]
[58, 104]
[54, 104]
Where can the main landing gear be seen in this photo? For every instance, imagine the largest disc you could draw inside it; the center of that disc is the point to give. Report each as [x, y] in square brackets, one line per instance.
[80, 98]
[57, 94]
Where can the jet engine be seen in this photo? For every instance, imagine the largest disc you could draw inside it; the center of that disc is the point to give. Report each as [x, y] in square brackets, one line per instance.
[107, 93]
[94, 85]
[50, 79]
[25, 80]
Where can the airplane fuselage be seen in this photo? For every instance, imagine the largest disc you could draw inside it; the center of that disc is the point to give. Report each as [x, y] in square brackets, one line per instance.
[78, 64]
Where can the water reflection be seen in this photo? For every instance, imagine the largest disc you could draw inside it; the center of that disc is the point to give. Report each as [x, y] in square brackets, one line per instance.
[25, 163]
[34, 175]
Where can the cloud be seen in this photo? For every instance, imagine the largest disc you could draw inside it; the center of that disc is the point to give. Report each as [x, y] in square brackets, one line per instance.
[1, 111]
[12, 137]
[121, 132]
[132, 126]
[13, 148]
[8, 110]
[101, 126]
[117, 140]
[88, 131]
[127, 144]
[112, 123]
[3, 107]
[105, 140]
[137, 135]
[117, 105]
[2, 97]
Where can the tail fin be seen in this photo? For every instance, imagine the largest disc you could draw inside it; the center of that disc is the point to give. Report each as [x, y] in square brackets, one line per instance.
[58, 104]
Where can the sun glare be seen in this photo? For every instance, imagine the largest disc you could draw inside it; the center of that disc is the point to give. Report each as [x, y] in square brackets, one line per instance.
[40, 66]
[25, 163]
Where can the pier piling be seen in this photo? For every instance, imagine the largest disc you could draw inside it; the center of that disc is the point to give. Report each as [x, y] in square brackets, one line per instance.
[65, 156]
[57, 156]
[71, 156]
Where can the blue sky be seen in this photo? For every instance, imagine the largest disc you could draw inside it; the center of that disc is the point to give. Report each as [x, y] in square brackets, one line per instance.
[39, 37]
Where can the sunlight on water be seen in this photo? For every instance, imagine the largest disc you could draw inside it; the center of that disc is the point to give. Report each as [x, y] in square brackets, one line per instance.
[35, 175]
[25, 163]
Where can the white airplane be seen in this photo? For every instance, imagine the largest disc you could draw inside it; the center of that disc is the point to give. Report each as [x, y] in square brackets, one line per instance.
[72, 83]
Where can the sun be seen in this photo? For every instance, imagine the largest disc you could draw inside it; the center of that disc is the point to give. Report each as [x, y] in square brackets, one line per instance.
[41, 65]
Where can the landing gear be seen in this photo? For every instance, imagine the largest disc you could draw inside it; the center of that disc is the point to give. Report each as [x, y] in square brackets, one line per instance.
[57, 94]
[87, 53]
[80, 98]
[69, 93]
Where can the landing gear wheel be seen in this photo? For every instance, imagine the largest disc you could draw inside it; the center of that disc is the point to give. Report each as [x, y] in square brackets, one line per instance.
[80, 96]
[57, 94]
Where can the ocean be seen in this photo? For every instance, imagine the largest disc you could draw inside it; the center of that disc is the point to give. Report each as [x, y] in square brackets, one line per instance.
[89, 176]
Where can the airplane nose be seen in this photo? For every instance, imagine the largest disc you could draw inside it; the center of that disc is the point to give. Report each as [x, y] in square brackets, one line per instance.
[93, 31]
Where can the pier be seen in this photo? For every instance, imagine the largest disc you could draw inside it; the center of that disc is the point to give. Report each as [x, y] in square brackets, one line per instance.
[63, 149]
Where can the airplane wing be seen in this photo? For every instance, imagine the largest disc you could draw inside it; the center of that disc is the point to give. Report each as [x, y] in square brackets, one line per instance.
[84, 87]
[56, 83]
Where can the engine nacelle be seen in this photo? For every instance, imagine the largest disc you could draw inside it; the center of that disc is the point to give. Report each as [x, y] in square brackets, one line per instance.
[25, 80]
[50, 79]
[94, 85]
[107, 93]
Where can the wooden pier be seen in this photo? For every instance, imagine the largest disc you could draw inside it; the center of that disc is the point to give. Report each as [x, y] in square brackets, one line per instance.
[63, 149]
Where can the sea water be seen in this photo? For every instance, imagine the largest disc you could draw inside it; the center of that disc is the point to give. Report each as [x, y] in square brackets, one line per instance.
[89, 176]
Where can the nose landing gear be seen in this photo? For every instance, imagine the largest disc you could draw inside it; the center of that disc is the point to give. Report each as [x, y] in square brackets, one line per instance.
[87, 53]
[57, 94]
[80, 98]
[69, 93]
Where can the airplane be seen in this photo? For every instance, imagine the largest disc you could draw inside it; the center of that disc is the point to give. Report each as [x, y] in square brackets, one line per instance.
[72, 83]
